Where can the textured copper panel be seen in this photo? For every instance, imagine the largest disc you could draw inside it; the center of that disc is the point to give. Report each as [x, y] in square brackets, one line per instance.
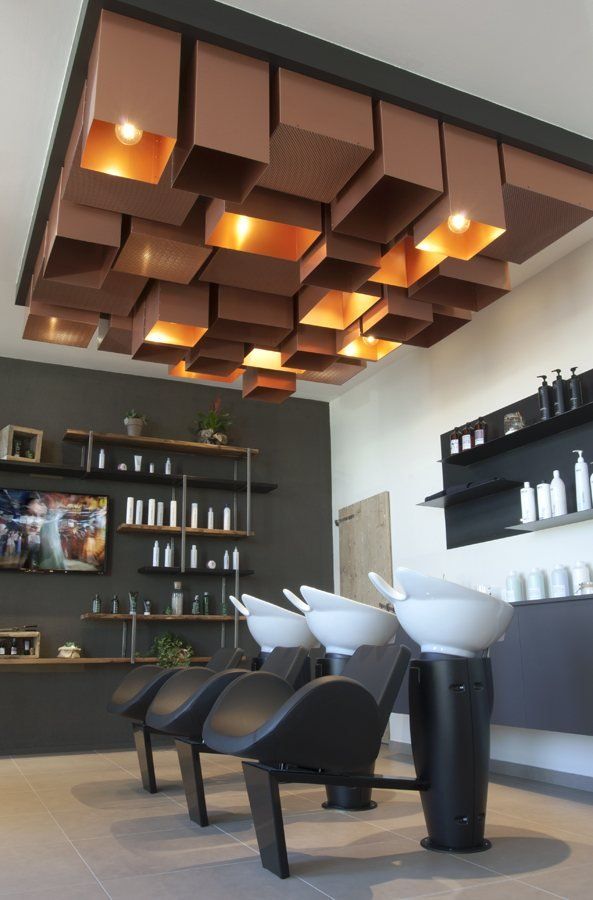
[267, 223]
[309, 348]
[474, 190]
[250, 317]
[167, 252]
[396, 317]
[159, 202]
[133, 78]
[402, 264]
[215, 357]
[176, 315]
[353, 343]
[543, 200]
[81, 242]
[115, 335]
[340, 262]
[252, 272]
[150, 352]
[223, 145]
[446, 320]
[471, 285]
[340, 371]
[57, 325]
[179, 371]
[321, 135]
[260, 358]
[117, 296]
[272, 387]
[403, 176]
[335, 309]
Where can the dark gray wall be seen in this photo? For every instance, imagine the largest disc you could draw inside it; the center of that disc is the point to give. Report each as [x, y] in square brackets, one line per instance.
[47, 708]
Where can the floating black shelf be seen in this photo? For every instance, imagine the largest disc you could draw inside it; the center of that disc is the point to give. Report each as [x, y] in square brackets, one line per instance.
[551, 600]
[474, 491]
[535, 432]
[176, 570]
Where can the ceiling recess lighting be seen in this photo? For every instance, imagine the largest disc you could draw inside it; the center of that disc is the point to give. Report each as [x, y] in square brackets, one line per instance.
[458, 223]
[129, 134]
[369, 340]
[353, 343]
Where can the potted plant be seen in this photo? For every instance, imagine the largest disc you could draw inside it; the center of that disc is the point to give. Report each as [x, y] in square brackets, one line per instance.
[171, 651]
[69, 650]
[212, 427]
[135, 422]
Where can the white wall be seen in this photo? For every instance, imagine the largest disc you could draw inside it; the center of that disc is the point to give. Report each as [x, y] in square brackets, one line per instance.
[385, 436]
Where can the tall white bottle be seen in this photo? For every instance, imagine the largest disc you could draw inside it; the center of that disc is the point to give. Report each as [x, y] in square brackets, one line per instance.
[236, 559]
[139, 512]
[226, 519]
[558, 492]
[194, 516]
[544, 500]
[156, 554]
[210, 518]
[193, 557]
[528, 513]
[581, 482]
[173, 513]
[151, 511]
[130, 511]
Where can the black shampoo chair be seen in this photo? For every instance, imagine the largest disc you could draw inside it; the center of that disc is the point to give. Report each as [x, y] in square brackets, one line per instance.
[182, 706]
[139, 688]
[328, 732]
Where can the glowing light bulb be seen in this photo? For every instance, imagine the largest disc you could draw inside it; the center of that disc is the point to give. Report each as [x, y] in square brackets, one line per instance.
[127, 133]
[243, 226]
[458, 223]
[369, 340]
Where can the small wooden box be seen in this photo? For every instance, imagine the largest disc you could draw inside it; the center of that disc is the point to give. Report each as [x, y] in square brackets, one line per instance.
[30, 440]
[21, 636]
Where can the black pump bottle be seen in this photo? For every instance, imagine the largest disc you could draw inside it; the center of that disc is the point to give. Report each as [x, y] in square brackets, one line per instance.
[544, 392]
[559, 398]
[575, 389]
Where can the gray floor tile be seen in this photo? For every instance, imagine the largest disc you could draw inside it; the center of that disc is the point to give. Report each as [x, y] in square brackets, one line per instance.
[30, 866]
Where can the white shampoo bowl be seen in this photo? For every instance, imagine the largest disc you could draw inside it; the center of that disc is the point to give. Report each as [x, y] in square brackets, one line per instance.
[343, 625]
[444, 617]
[272, 626]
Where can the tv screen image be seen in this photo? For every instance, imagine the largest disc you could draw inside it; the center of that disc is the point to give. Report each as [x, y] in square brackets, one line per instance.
[43, 531]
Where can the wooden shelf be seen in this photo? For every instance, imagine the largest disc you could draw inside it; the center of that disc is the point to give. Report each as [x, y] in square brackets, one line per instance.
[126, 617]
[89, 661]
[176, 570]
[74, 436]
[474, 491]
[555, 522]
[168, 529]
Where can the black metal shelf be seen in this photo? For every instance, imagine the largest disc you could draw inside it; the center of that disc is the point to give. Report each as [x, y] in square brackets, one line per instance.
[176, 570]
[572, 518]
[551, 600]
[535, 432]
[472, 491]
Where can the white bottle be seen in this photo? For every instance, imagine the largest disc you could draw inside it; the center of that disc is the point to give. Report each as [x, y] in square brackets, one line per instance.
[168, 466]
[226, 561]
[168, 556]
[160, 513]
[210, 518]
[156, 554]
[580, 575]
[130, 511]
[514, 588]
[536, 588]
[193, 557]
[173, 513]
[581, 482]
[544, 500]
[558, 492]
[193, 522]
[559, 583]
[151, 511]
[139, 511]
[528, 513]
[226, 518]
[236, 559]
[101, 458]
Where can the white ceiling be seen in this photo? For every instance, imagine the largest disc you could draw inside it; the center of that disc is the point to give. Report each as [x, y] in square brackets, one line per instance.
[534, 56]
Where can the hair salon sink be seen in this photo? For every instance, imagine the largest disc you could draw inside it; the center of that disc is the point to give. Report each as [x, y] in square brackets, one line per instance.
[444, 617]
[272, 626]
[343, 625]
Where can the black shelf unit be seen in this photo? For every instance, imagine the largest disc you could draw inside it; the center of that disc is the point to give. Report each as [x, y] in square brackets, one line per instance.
[473, 491]
[176, 570]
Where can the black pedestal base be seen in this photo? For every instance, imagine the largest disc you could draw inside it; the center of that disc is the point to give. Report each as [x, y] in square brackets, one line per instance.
[335, 805]
[429, 844]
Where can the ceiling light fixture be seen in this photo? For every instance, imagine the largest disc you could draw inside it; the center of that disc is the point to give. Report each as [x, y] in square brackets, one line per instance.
[128, 134]
[369, 340]
[458, 223]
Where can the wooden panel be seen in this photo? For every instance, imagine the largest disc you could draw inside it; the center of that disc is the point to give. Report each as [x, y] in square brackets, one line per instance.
[365, 546]
[154, 443]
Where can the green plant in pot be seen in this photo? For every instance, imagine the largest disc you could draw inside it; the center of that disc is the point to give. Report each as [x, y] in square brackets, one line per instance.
[212, 426]
[171, 651]
[135, 422]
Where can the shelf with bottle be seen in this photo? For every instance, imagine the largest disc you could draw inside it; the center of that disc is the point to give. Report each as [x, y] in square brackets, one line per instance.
[76, 436]
[146, 619]
[573, 518]
[176, 570]
[471, 491]
[19, 643]
[125, 528]
[82, 661]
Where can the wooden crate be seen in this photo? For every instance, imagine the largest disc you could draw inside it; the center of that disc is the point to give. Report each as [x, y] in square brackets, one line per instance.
[6, 636]
[29, 438]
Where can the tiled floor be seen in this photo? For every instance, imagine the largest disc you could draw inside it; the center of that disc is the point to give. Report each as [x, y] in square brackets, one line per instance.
[80, 828]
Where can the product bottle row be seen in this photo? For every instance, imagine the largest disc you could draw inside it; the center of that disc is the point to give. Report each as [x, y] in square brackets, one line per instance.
[155, 515]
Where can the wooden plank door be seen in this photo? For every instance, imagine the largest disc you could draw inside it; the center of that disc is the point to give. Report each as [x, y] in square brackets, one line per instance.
[365, 546]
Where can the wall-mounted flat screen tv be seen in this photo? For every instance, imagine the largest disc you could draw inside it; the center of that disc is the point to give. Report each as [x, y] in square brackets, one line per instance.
[42, 531]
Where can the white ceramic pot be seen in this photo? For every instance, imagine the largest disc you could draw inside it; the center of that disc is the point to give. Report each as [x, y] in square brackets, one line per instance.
[343, 625]
[444, 617]
[134, 426]
[273, 626]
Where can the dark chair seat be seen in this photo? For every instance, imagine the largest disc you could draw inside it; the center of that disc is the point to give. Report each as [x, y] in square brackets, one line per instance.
[137, 691]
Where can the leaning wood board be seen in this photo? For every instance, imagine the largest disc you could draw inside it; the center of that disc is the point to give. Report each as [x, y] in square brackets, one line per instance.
[365, 546]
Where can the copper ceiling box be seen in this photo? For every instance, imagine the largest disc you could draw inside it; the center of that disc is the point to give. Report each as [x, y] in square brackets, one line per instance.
[335, 309]
[176, 315]
[224, 133]
[355, 344]
[446, 320]
[471, 285]
[543, 200]
[252, 272]
[321, 135]
[180, 371]
[400, 180]
[471, 214]
[154, 350]
[402, 264]
[130, 122]
[81, 242]
[260, 358]
[159, 202]
[340, 262]
[309, 348]
[250, 317]
[340, 371]
[115, 334]
[272, 387]
[396, 317]
[215, 357]
[59, 325]
[167, 252]
[267, 223]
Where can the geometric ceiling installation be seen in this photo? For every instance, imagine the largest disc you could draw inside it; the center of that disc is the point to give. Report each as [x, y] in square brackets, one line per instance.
[231, 218]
